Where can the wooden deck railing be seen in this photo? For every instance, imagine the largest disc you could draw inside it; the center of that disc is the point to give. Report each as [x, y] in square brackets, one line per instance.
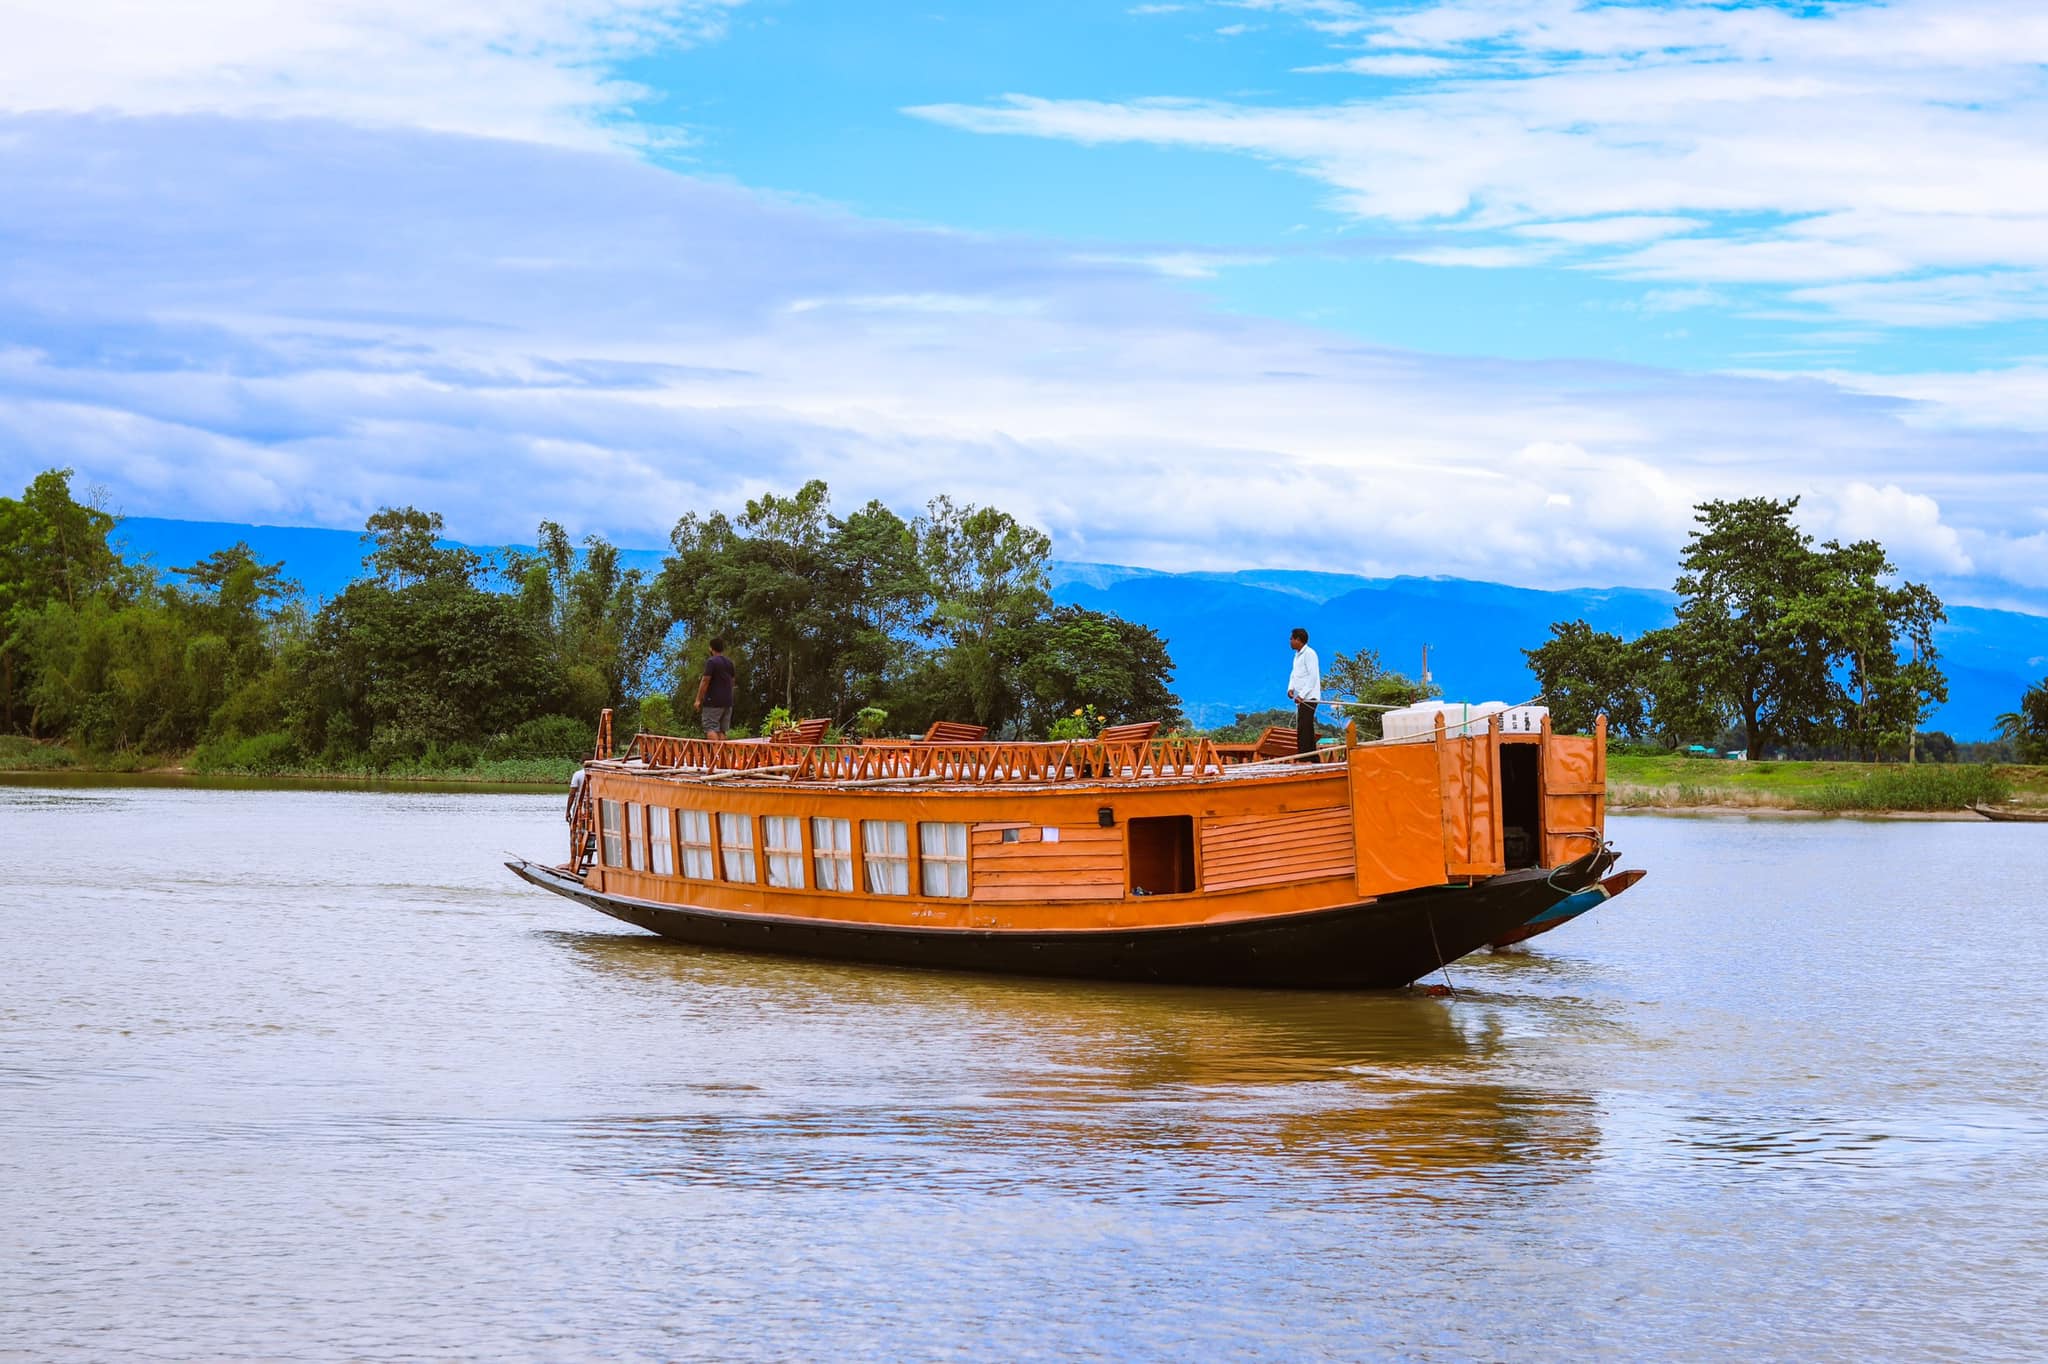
[980, 764]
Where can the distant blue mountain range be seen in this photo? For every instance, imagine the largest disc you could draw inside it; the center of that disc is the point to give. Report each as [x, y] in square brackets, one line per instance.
[1228, 631]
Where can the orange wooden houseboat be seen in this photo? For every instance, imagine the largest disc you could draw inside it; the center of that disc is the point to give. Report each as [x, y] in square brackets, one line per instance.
[1125, 857]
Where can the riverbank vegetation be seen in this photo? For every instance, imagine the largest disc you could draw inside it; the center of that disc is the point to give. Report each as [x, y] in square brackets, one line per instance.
[439, 662]
[1789, 644]
[1673, 781]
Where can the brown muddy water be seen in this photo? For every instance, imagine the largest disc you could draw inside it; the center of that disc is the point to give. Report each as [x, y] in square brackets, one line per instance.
[306, 1075]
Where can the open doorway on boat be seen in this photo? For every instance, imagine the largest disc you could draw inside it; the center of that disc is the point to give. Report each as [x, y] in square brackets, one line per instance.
[1162, 860]
[1521, 804]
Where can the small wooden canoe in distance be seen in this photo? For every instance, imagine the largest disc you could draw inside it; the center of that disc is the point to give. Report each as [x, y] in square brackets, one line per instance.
[1368, 865]
[2008, 815]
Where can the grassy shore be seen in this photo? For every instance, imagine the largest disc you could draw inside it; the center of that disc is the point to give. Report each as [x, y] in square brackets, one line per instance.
[20, 755]
[1673, 782]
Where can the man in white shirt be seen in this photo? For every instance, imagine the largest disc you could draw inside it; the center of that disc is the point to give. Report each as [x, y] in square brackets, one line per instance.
[1305, 690]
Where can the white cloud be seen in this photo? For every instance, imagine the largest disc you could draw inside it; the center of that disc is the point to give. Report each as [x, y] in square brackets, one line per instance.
[532, 69]
[1888, 161]
[297, 322]
[2013, 398]
[1680, 300]
[1392, 64]
[1908, 524]
[1479, 257]
[1619, 231]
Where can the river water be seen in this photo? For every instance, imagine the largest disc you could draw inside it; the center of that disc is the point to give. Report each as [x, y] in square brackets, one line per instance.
[308, 1075]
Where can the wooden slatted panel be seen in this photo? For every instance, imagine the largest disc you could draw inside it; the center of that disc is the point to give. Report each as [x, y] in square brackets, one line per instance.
[983, 764]
[1239, 853]
[1084, 864]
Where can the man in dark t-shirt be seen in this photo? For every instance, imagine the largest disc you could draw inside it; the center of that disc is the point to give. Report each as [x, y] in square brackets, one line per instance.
[714, 692]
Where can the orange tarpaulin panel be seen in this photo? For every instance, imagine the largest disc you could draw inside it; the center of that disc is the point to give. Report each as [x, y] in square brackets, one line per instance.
[1397, 817]
[1471, 783]
[1574, 797]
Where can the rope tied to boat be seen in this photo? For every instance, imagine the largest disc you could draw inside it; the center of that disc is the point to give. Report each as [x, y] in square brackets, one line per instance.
[1430, 917]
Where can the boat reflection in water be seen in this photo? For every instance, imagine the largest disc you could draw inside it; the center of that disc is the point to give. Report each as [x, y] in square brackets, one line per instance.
[820, 1074]
[1126, 857]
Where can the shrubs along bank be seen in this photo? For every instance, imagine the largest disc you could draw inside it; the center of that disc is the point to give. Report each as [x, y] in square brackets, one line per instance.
[1676, 782]
[439, 660]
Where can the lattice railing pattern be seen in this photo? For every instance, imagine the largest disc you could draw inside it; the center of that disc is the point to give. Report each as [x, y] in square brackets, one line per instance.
[979, 764]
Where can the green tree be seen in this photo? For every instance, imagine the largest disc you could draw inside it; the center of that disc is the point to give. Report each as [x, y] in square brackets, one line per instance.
[405, 548]
[53, 548]
[1078, 659]
[1801, 645]
[1880, 696]
[2026, 729]
[1584, 672]
[1361, 677]
[989, 584]
[417, 658]
[1749, 627]
[605, 622]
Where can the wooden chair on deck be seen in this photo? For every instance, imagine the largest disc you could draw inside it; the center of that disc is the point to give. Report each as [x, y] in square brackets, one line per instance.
[1129, 734]
[1279, 741]
[802, 732]
[955, 732]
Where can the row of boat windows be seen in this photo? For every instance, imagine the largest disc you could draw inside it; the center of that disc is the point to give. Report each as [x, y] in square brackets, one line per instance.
[702, 847]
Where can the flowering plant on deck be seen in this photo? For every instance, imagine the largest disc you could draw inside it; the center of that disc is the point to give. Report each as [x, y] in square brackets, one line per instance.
[1084, 723]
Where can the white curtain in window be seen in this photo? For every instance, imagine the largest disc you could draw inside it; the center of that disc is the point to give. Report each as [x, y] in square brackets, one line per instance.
[784, 835]
[695, 829]
[942, 853]
[885, 848]
[662, 856]
[736, 842]
[636, 849]
[832, 853]
[608, 822]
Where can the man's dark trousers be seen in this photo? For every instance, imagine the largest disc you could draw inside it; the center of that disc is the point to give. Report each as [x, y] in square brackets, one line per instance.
[1305, 727]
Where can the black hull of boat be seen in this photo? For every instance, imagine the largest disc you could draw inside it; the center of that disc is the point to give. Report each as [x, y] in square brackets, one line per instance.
[1385, 943]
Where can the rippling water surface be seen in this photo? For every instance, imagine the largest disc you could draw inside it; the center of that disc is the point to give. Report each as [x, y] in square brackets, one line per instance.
[308, 1075]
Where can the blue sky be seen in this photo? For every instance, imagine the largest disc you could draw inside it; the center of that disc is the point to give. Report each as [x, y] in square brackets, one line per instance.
[1495, 288]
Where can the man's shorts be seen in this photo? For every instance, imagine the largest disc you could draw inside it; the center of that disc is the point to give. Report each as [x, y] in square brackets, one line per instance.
[717, 719]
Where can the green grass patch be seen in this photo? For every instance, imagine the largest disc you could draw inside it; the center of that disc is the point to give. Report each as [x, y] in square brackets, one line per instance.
[1928, 786]
[21, 754]
[1669, 780]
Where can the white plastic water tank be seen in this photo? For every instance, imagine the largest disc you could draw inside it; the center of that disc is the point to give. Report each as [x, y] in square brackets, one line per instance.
[1460, 718]
[1410, 721]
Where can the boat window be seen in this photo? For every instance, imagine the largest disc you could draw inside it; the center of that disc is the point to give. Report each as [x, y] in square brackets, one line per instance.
[832, 852]
[783, 836]
[608, 822]
[636, 849]
[736, 844]
[885, 851]
[1162, 855]
[942, 856]
[694, 828]
[660, 848]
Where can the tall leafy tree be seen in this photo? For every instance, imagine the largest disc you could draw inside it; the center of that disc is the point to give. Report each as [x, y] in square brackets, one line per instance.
[1361, 676]
[416, 655]
[1585, 672]
[1077, 658]
[1751, 628]
[53, 548]
[2026, 729]
[606, 621]
[989, 584]
[1886, 674]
